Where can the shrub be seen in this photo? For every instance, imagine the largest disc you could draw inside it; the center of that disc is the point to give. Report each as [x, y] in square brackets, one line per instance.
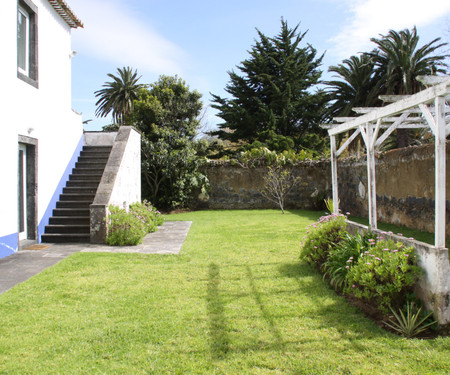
[321, 237]
[129, 228]
[344, 255]
[149, 215]
[384, 274]
[124, 228]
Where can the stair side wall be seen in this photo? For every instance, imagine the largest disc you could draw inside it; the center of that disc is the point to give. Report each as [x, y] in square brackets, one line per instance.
[121, 181]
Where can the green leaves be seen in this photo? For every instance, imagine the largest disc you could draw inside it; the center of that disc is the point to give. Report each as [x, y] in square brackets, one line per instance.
[166, 115]
[275, 90]
[412, 322]
[118, 95]
[384, 273]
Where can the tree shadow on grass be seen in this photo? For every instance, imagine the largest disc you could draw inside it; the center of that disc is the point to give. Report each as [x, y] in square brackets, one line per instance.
[331, 309]
[265, 313]
[219, 340]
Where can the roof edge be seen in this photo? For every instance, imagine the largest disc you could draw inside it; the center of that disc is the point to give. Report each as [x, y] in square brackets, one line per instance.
[66, 13]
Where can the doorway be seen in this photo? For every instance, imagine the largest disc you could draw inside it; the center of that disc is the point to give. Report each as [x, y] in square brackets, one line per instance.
[22, 192]
[27, 188]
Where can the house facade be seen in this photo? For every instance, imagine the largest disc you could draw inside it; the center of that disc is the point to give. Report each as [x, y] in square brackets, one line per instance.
[41, 137]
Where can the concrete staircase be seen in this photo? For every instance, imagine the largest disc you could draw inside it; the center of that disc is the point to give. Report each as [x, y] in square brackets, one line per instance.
[71, 217]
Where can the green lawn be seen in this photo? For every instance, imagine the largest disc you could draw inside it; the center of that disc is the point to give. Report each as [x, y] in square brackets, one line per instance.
[235, 301]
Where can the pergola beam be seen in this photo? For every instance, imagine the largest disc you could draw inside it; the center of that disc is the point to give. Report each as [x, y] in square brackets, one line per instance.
[440, 136]
[363, 110]
[431, 80]
[425, 96]
[347, 142]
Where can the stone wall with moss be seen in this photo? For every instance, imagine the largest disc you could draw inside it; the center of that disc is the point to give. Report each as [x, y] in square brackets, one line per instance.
[237, 187]
[405, 187]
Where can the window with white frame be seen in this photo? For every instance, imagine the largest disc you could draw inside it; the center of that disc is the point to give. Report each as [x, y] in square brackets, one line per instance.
[27, 62]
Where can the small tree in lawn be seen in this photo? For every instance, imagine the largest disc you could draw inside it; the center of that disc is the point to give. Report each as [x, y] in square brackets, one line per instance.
[278, 182]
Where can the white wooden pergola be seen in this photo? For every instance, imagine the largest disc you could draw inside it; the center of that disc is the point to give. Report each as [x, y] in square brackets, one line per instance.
[426, 109]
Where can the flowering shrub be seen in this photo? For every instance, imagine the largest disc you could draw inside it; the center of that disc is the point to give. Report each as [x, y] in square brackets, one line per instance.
[129, 228]
[321, 237]
[124, 228]
[383, 274]
[149, 215]
[342, 257]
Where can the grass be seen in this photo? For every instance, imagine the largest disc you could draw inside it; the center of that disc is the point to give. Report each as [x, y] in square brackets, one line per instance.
[235, 301]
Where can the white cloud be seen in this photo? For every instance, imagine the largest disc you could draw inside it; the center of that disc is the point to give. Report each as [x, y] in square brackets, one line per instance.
[113, 33]
[369, 18]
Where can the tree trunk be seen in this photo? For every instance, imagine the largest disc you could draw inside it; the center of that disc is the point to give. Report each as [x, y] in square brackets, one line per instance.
[402, 138]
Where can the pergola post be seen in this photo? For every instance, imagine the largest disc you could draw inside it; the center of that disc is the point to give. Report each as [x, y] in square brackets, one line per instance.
[440, 135]
[334, 179]
[371, 184]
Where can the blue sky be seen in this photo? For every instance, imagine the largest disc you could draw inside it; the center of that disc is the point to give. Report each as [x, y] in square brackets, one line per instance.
[200, 41]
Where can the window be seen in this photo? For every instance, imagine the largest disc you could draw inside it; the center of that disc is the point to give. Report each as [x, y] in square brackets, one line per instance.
[23, 22]
[27, 62]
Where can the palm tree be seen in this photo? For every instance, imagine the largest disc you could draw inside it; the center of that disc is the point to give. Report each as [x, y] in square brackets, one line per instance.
[118, 96]
[357, 85]
[400, 61]
[398, 57]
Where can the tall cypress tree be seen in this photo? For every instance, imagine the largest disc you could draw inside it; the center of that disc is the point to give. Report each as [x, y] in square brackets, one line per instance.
[275, 93]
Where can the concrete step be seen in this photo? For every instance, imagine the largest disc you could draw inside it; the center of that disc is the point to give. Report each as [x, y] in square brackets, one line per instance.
[66, 238]
[71, 212]
[93, 163]
[76, 197]
[83, 183]
[73, 204]
[88, 159]
[63, 229]
[88, 171]
[80, 190]
[97, 148]
[96, 152]
[91, 178]
[69, 220]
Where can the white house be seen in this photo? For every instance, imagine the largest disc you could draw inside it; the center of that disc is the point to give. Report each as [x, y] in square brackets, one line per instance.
[41, 136]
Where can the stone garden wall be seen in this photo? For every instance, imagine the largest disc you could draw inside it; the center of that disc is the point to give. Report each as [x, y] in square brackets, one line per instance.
[405, 186]
[236, 187]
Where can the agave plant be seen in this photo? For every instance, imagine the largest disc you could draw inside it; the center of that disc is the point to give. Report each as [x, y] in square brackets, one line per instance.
[411, 324]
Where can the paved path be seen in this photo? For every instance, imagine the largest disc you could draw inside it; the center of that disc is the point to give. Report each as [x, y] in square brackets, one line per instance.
[24, 264]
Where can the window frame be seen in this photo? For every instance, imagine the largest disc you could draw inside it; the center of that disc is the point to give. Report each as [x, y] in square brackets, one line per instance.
[22, 13]
[30, 74]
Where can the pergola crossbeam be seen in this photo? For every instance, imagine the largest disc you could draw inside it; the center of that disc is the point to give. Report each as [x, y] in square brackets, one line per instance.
[429, 117]
[423, 97]
[347, 142]
[363, 110]
[393, 127]
[431, 80]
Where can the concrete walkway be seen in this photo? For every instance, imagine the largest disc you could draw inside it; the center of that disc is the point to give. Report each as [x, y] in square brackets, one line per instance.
[26, 263]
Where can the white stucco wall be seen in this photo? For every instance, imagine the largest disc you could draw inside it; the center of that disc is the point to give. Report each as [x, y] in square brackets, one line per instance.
[43, 113]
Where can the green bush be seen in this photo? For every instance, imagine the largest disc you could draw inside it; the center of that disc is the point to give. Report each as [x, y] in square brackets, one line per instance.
[129, 228]
[124, 228]
[342, 257]
[384, 274]
[149, 215]
[323, 236]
